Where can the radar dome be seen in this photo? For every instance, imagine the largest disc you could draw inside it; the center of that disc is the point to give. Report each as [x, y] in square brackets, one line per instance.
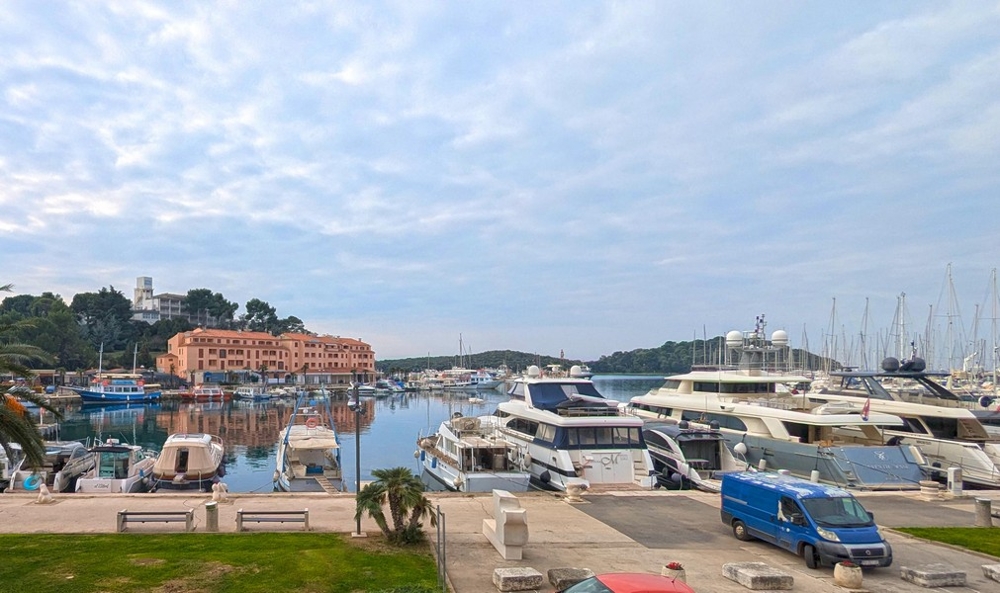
[534, 371]
[890, 365]
[734, 338]
[575, 371]
[779, 338]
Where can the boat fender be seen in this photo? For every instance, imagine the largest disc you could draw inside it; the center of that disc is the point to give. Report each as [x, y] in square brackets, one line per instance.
[545, 477]
[526, 462]
[985, 401]
[423, 455]
[434, 463]
[32, 482]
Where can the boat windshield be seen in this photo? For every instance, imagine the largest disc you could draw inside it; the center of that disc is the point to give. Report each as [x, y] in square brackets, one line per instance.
[547, 396]
[838, 511]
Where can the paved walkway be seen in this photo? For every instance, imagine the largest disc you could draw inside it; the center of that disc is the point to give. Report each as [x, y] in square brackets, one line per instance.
[613, 531]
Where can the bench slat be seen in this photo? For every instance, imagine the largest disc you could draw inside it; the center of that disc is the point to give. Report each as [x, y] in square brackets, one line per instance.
[272, 517]
[126, 516]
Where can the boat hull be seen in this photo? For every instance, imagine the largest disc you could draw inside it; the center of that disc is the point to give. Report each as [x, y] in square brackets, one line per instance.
[438, 475]
[856, 467]
[89, 395]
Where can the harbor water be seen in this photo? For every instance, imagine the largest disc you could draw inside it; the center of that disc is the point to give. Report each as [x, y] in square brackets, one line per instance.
[388, 427]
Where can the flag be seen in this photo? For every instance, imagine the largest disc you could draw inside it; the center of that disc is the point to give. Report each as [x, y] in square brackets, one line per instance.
[865, 409]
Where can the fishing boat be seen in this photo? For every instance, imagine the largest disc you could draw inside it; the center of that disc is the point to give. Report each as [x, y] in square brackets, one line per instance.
[689, 456]
[766, 418]
[189, 462]
[470, 454]
[205, 392]
[308, 458]
[119, 468]
[65, 462]
[572, 435]
[117, 387]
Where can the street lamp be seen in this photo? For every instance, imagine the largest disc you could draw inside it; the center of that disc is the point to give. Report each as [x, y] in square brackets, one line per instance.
[355, 406]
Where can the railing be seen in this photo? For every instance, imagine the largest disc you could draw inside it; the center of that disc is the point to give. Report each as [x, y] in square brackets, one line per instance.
[440, 546]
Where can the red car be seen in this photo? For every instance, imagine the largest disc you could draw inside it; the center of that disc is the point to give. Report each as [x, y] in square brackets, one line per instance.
[630, 582]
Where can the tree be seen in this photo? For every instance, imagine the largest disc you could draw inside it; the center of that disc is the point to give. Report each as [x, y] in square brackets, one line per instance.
[197, 302]
[290, 324]
[16, 424]
[106, 315]
[404, 494]
[260, 317]
[222, 310]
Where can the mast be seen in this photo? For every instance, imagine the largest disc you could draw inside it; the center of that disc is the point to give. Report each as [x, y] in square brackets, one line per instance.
[135, 353]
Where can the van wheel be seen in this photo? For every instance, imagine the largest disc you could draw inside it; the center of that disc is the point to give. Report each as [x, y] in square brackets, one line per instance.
[809, 553]
[740, 531]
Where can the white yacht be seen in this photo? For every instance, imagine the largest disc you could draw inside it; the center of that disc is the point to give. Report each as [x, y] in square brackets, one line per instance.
[687, 456]
[120, 468]
[194, 461]
[308, 458]
[469, 454]
[65, 462]
[573, 435]
[935, 419]
[766, 418]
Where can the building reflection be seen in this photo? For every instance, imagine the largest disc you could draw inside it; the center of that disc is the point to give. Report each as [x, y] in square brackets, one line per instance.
[251, 424]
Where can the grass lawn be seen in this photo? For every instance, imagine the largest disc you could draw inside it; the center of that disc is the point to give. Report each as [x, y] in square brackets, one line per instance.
[977, 539]
[212, 563]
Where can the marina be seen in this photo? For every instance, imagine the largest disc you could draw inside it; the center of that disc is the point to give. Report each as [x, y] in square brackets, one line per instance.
[389, 426]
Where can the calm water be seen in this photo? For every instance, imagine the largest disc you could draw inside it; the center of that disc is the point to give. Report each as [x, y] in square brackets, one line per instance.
[389, 428]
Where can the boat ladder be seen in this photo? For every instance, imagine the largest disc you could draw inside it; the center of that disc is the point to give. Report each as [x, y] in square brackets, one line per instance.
[324, 482]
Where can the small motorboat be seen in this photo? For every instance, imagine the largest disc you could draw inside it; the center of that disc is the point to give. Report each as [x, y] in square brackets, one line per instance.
[119, 468]
[189, 462]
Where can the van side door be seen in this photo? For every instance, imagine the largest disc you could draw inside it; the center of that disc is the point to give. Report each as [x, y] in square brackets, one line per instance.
[792, 523]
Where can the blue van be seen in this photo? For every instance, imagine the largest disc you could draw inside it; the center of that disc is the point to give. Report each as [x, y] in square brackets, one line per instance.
[822, 524]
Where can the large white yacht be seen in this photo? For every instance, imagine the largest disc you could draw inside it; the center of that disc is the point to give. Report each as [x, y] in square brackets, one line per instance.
[573, 435]
[935, 419]
[765, 417]
[468, 454]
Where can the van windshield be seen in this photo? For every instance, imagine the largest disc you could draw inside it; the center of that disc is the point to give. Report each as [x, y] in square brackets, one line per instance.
[842, 511]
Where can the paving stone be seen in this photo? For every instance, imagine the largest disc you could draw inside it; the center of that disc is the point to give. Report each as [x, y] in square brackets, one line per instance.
[561, 578]
[933, 575]
[518, 578]
[757, 576]
[992, 571]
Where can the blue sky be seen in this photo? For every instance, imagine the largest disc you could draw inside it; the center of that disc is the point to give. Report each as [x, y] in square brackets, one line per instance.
[586, 177]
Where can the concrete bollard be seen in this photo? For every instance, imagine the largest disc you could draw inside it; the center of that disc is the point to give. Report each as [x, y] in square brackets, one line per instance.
[212, 516]
[814, 475]
[955, 482]
[984, 515]
[762, 464]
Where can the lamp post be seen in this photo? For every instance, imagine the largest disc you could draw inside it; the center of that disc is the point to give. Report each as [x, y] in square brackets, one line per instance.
[355, 405]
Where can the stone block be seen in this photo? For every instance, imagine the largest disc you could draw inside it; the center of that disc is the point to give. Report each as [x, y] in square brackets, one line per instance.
[561, 578]
[933, 575]
[757, 576]
[992, 571]
[517, 578]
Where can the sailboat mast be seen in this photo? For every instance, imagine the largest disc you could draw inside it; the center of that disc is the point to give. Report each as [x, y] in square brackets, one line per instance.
[135, 353]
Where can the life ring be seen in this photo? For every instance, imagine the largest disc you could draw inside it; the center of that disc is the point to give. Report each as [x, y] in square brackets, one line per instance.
[312, 423]
[32, 482]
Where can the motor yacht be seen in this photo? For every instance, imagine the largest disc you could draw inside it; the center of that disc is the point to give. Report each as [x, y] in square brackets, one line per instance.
[573, 435]
[193, 461]
[470, 454]
[767, 420]
[687, 456]
[308, 458]
[934, 419]
[119, 468]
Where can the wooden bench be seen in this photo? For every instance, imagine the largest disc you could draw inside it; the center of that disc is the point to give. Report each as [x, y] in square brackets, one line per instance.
[126, 516]
[272, 517]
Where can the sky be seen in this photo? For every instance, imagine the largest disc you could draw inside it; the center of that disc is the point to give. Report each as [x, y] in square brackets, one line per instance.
[584, 177]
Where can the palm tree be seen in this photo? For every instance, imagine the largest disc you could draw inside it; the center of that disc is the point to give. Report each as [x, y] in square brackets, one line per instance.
[404, 494]
[16, 424]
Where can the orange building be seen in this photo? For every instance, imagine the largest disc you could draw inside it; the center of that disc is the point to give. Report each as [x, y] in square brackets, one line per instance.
[288, 358]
